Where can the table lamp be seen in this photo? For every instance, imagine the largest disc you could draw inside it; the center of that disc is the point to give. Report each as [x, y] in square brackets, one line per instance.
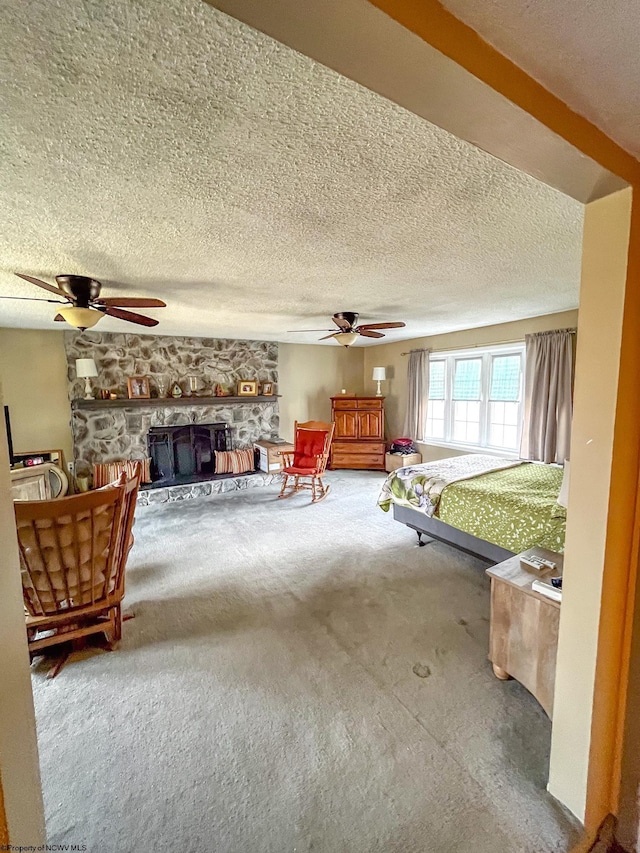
[379, 375]
[86, 369]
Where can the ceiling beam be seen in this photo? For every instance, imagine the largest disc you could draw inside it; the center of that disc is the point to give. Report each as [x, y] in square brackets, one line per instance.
[361, 42]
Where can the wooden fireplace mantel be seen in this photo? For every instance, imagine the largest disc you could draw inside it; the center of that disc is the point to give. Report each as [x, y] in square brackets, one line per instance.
[167, 402]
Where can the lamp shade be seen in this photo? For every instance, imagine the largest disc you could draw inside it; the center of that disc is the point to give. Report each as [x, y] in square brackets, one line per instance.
[379, 374]
[345, 339]
[81, 318]
[85, 368]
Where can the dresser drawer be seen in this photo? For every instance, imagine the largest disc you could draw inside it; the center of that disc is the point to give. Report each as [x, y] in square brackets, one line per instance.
[370, 404]
[355, 447]
[358, 454]
[358, 460]
[344, 404]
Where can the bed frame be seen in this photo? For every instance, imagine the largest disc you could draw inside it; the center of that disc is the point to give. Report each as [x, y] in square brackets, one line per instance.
[436, 529]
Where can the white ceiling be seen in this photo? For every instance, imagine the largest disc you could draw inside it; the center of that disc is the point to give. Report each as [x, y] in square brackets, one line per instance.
[584, 51]
[171, 151]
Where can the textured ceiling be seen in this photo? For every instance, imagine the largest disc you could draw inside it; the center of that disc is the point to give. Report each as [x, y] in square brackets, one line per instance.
[584, 51]
[171, 151]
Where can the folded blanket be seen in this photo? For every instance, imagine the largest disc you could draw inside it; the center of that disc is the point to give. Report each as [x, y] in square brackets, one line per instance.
[420, 486]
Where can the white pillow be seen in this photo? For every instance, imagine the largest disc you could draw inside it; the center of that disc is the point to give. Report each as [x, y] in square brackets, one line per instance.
[563, 497]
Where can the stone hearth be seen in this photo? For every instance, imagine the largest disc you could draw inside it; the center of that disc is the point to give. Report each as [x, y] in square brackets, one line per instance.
[169, 494]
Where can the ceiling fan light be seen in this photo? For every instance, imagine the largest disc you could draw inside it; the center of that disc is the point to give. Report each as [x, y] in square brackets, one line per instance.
[81, 318]
[345, 339]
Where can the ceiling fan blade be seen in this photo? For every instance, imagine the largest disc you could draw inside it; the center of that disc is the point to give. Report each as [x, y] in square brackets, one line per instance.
[368, 334]
[44, 285]
[131, 302]
[382, 326]
[342, 323]
[59, 318]
[332, 335]
[33, 299]
[130, 317]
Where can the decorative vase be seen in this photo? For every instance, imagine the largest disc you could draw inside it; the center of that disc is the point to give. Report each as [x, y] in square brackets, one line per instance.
[176, 390]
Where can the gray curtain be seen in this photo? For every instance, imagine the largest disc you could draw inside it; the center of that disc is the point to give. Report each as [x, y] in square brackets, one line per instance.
[548, 406]
[418, 393]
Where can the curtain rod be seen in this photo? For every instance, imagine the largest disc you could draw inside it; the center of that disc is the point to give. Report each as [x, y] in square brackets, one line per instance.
[477, 346]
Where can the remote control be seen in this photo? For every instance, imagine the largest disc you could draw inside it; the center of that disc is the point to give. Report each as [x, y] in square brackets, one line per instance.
[532, 563]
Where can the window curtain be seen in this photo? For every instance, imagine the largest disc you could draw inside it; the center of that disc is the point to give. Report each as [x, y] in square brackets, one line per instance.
[548, 406]
[418, 394]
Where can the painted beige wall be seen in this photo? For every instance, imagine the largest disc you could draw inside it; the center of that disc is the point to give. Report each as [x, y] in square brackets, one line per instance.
[309, 375]
[602, 293]
[395, 388]
[18, 747]
[33, 372]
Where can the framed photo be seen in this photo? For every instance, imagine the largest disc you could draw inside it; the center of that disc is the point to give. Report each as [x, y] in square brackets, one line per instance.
[248, 388]
[138, 388]
[267, 389]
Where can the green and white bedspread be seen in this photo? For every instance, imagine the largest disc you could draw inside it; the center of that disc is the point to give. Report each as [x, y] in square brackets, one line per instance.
[420, 486]
[515, 508]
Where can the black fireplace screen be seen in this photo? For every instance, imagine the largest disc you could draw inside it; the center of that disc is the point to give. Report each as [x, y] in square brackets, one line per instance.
[185, 454]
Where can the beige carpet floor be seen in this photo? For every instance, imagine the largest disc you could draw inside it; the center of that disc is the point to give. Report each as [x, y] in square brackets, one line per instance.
[296, 678]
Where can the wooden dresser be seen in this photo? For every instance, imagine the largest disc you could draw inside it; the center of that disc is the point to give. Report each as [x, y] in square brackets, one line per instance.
[358, 440]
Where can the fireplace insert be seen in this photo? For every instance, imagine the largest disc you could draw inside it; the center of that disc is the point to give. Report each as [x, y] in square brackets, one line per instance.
[186, 454]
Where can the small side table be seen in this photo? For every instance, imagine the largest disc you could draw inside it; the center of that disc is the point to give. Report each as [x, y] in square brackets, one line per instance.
[270, 455]
[523, 637]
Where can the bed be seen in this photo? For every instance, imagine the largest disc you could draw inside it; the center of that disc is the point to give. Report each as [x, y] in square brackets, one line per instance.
[492, 508]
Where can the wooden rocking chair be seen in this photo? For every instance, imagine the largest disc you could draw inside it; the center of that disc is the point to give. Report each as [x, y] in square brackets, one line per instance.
[307, 464]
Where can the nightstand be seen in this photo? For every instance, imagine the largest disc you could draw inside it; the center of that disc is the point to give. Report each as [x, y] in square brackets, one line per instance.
[393, 461]
[523, 638]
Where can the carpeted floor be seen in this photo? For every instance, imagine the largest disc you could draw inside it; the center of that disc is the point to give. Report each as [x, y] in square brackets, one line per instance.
[296, 678]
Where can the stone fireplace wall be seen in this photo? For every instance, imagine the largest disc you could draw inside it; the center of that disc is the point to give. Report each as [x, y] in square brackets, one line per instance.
[166, 360]
[107, 433]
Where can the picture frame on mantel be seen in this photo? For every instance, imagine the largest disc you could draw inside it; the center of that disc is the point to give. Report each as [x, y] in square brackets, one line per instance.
[139, 388]
[248, 388]
[267, 389]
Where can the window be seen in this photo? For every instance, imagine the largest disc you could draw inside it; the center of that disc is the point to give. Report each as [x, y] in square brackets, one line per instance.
[475, 397]
[435, 407]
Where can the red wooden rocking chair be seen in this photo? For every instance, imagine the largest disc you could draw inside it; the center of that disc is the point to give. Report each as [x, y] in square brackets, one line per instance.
[308, 462]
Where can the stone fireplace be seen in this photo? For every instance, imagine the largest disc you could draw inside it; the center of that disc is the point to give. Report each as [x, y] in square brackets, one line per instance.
[110, 430]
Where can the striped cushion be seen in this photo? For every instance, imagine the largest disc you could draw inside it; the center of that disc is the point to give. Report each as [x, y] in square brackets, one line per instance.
[234, 461]
[106, 473]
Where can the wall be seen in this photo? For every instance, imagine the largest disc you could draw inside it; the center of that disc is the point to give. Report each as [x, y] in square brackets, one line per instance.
[395, 388]
[33, 373]
[310, 375]
[598, 524]
[21, 790]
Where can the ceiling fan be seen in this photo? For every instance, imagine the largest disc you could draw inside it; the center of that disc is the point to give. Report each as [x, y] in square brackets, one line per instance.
[349, 330]
[84, 306]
